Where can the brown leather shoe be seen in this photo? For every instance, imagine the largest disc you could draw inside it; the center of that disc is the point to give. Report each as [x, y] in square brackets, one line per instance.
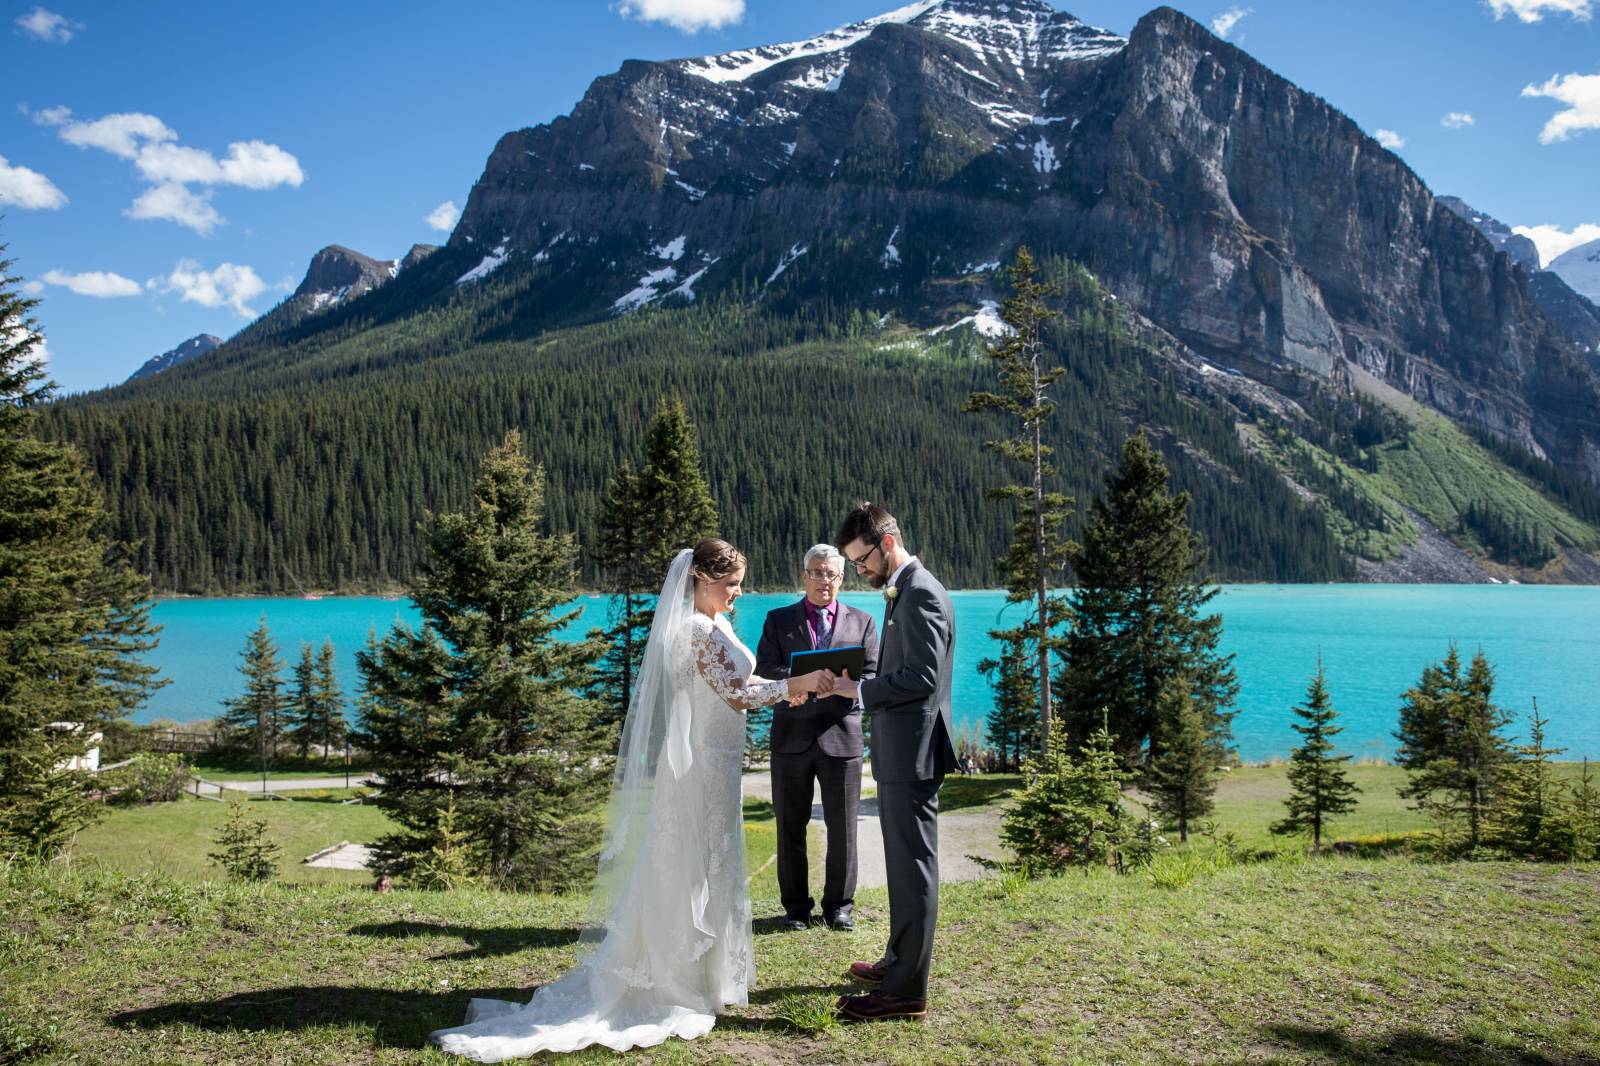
[879, 1006]
[868, 973]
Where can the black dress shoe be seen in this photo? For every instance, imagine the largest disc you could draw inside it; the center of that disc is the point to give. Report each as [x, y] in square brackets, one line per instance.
[840, 920]
[796, 923]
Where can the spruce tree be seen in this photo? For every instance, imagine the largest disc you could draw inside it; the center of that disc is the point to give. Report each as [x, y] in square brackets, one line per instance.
[254, 719]
[484, 704]
[1528, 806]
[1136, 615]
[1451, 743]
[315, 712]
[645, 519]
[1071, 812]
[1013, 724]
[1036, 559]
[1321, 787]
[74, 616]
[244, 850]
[331, 729]
[300, 714]
[1183, 775]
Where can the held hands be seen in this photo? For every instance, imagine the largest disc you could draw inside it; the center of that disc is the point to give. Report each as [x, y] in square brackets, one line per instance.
[800, 687]
[843, 685]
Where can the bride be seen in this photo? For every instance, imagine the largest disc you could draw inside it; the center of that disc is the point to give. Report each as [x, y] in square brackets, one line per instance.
[668, 940]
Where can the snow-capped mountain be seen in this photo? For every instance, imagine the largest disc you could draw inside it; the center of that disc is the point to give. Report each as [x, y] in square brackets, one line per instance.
[1571, 310]
[192, 348]
[879, 162]
[1580, 268]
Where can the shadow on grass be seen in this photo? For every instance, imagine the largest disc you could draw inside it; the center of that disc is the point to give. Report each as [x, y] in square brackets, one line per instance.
[1410, 1045]
[396, 1017]
[484, 943]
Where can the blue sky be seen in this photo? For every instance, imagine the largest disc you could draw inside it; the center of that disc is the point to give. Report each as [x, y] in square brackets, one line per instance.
[253, 135]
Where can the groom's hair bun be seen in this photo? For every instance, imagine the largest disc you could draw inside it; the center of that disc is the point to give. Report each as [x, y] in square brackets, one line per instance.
[714, 559]
[868, 523]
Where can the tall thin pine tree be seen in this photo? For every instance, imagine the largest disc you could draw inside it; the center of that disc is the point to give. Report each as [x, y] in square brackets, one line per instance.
[1036, 560]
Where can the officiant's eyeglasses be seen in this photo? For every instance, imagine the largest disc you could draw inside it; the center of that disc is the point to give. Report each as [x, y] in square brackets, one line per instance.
[826, 577]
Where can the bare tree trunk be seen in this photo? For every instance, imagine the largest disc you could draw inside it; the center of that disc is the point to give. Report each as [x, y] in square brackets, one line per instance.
[1040, 562]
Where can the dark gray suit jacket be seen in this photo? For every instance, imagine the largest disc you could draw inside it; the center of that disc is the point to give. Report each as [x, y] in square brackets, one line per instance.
[832, 723]
[910, 698]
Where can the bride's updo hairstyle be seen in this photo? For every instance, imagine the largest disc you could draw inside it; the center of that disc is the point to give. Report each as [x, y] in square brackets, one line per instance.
[714, 559]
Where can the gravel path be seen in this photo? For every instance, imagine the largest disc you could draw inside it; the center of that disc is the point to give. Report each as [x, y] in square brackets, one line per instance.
[961, 834]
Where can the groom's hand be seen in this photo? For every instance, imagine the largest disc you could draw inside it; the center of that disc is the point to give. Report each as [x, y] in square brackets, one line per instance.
[845, 686]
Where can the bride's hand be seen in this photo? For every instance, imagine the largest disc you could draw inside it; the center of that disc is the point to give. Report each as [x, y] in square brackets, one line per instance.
[800, 687]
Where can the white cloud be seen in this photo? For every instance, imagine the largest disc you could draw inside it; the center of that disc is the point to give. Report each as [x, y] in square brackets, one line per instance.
[1389, 139]
[252, 164]
[230, 285]
[48, 26]
[690, 16]
[1224, 23]
[32, 288]
[1534, 10]
[153, 147]
[99, 283]
[1456, 120]
[28, 189]
[1553, 240]
[175, 203]
[121, 134]
[443, 218]
[1581, 94]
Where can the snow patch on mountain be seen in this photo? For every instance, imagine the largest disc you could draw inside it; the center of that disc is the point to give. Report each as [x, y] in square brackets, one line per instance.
[1580, 269]
[737, 66]
[986, 320]
[795, 252]
[490, 263]
[891, 254]
[648, 289]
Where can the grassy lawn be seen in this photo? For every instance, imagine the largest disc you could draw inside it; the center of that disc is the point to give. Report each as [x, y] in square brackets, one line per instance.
[131, 953]
[279, 770]
[1331, 960]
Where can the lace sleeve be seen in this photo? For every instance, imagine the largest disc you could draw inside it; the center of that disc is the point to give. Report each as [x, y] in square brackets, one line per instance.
[713, 663]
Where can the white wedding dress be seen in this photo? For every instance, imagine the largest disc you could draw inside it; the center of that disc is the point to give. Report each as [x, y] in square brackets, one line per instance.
[669, 941]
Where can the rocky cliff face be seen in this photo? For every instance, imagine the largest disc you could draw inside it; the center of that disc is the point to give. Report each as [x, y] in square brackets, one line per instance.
[192, 348]
[894, 162]
[337, 274]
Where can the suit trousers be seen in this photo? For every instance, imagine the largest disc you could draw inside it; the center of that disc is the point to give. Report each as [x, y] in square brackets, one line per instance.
[908, 811]
[792, 777]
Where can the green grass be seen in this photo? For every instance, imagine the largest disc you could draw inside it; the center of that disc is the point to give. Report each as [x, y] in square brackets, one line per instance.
[1293, 961]
[213, 769]
[173, 838]
[1437, 472]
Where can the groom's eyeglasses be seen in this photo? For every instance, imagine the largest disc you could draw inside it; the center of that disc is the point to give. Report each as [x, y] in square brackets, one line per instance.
[861, 563]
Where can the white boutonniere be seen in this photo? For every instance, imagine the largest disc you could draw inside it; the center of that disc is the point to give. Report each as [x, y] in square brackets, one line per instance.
[890, 593]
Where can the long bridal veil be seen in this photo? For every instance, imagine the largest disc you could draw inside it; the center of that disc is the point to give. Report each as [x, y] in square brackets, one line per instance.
[632, 986]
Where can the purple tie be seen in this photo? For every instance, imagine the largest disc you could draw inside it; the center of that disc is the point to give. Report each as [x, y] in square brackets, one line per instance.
[824, 634]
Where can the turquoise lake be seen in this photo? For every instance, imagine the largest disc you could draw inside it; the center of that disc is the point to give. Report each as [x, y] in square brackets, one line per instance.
[1544, 642]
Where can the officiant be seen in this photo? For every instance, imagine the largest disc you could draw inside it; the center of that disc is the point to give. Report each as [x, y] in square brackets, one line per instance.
[816, 742]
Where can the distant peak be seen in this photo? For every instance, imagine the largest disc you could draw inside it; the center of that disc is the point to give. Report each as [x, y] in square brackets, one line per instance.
[1024, 30]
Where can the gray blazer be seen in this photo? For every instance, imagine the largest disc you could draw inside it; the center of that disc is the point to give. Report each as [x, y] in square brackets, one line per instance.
[910, 698]
[832, 723]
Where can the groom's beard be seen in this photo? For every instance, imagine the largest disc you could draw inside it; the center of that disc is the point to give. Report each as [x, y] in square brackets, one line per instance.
[878, 580]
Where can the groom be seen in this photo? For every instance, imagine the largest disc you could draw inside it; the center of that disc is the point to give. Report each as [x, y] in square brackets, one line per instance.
[911, 752]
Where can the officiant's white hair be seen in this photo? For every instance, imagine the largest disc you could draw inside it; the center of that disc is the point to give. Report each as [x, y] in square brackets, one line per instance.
[825, 552]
